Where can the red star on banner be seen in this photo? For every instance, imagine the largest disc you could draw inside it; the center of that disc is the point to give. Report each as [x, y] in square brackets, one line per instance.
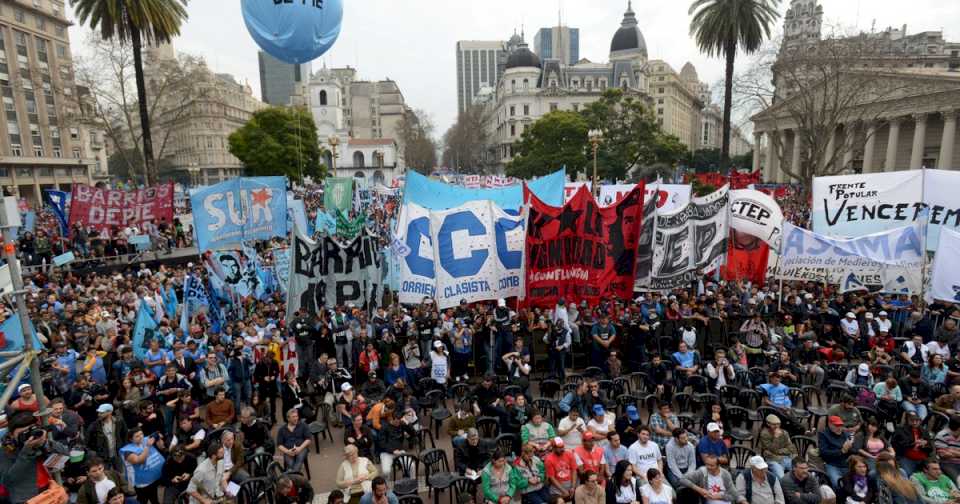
[261, 197]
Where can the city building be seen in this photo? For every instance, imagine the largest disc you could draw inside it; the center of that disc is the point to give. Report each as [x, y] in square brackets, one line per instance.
[91, 135]
[363, 117]
[559, 42]
[531, 87]
[41, 146]
[479, 65]
[279, 79]
[194, 132]
[912, 125]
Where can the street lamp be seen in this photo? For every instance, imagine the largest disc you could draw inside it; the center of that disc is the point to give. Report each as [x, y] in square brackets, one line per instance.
[334, 141]
[596, 138]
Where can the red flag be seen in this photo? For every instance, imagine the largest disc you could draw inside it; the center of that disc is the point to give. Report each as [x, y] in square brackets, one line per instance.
[746, 259]
[581, 251]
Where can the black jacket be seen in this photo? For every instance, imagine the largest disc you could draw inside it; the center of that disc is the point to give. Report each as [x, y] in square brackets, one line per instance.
[845, 489]
[97, 440]
[903, 440]
[466, 456]
[809, 489]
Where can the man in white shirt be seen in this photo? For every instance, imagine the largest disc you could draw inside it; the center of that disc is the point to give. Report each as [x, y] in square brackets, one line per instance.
[644, 454]
[884, 323]
[850, 326]
[571, 429]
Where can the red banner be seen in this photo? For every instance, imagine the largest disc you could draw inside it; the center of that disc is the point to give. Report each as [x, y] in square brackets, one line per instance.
[736, 179]
[100, 208]
[746, 259]
[581, 251]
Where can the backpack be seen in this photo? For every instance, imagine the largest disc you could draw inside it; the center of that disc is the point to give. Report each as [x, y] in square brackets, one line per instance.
[866, 397]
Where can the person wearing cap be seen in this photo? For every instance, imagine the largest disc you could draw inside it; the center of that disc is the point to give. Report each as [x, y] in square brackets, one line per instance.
[713, 444]
[26, 402]
[681, 456]
[712, 482]
[848, 412]
[836, 446]
[913, 444]
[106, 435]
[603, 335]
[860, 376]
[561, 470]
[850, 329]
[775, 446]
[758, 485]
[916, 394]
[628, 424]
[601, 424]
[644, 454]
[590, 458]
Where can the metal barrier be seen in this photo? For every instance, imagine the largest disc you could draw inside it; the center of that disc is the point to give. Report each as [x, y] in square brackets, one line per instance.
[116, 261]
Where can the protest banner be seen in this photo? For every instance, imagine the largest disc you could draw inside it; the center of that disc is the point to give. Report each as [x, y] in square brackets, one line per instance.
[242, 209]
[337, 194]
[108, 208]
[756, 214]
[348, 229]
[946, 275]
[645, 243]
[471, 252]
[571, 188]
[747, 258]
[581, 252]
[669, 197]
[326, 273]
[435, 195]
[144, 330]
[689, 239]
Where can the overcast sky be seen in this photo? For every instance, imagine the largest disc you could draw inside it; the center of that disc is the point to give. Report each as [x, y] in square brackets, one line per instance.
[413, 41]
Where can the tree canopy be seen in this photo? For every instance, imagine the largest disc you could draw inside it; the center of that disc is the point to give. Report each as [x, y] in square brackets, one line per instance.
[557, 139]
[279, 141]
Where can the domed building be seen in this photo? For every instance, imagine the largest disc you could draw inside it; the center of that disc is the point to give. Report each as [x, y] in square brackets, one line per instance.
[531, 88]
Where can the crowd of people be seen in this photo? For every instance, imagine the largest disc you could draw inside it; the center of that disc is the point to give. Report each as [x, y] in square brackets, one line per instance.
[720, 392]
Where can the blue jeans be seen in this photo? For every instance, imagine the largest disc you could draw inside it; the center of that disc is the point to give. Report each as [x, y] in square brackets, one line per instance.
[907, 466]
[780, 467]
[834, 473]
[293, 463]
[541, 496]
[919, 409]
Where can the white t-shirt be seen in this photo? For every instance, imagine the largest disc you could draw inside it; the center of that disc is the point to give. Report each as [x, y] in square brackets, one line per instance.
[644, 457]
[689, 337]
[665, 496]
[601, 428]
[103, 488]
[850, 327]
[626, 495]
[438, 370]
[574, 438]
[715, 486]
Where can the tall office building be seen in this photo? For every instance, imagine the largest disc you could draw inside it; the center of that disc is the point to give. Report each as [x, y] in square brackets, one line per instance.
[279, 80]
[559, 42]
[479, 65]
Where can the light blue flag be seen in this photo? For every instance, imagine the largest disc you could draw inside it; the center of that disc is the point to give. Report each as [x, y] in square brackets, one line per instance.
[13, 334]
[238, 210]
[143, 330]
[434, 195]
[296, 213]
[325, 223]
[170, 302]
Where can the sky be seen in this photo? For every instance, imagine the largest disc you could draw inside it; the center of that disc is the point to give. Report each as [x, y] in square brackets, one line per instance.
[413, 41]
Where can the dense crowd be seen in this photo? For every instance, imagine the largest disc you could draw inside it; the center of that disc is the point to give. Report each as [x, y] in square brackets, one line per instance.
[721, 392]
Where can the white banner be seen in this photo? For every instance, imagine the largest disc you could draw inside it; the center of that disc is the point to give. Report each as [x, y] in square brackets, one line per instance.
[472, 252]
[856, 205]
[571, 188]
[946, 274]
[894, 258]
[756, 214]
[669, 197]
[689, 239]
[327, 273]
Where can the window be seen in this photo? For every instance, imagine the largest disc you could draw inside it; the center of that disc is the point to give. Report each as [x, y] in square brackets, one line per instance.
[659, 111]
[589, 85]
[554, 107]
[74, 134]
[57, 152]
[38, 150]
[575, 83]
[513, 130]
[19, 15]
[16, 149]
[513, 85]
[526, 110]
[513, 110]
[76, 152]
[660, 90]
[659, 101]
[41, 23]
[358, 160]
[553, 83]
[603, 84]
[323, 97]
[59, 30]
[526, 84]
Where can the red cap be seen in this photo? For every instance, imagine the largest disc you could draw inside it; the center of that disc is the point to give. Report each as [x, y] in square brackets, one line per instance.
[588, 436]
[835, 420]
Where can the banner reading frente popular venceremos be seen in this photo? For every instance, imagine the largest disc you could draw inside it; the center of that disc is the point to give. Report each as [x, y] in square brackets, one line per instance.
[581, 252]
[107, 208]
[472, 252]
[327, 272]
[861, 204]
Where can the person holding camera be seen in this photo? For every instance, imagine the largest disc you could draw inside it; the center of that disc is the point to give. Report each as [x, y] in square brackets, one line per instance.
[144, 464]
[22, 472]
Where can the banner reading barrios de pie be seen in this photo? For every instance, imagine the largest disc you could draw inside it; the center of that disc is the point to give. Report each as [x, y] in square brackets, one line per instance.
[581, 252]
[106, 208]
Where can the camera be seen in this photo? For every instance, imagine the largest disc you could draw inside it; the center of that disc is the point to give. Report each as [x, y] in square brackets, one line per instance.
[35, 432]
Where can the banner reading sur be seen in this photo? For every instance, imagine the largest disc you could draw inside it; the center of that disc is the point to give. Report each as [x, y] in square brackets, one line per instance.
[237, 210]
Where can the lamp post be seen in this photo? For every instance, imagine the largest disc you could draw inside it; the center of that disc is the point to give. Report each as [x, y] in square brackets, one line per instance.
[596, 137]
[334, 141]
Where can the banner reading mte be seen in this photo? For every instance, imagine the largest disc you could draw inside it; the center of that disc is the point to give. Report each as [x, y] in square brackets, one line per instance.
[242, 209]
[106, 208]
[857, 205]
[581, 251]
[472, 252]
[327, 273]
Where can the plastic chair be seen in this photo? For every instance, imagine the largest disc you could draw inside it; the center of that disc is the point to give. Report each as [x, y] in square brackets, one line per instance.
[549, 389]
[739, 455]
[437, 471]
[258, 463]
[803, 445]
[405, 474]
[507, 443]
[256, 490]
[488, 427]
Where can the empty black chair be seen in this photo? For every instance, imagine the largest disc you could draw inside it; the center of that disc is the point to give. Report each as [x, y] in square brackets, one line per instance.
[508, 444]
[741, 423]
[936, 421]
[255, 491]
[405, 474]
[739, 455]
[258, 463]
[488, 427]
[592, 372]
[463, 490]
[549, 389]
[408, 499]
[436, 470]
[459, 391]
[622, 385]
[511, 390]
[803, 444]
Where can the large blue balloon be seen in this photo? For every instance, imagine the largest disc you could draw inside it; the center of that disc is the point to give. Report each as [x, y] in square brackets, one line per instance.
[295, 31]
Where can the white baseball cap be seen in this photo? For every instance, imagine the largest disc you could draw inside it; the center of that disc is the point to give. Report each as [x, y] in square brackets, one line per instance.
[757, 462]
[713, 427]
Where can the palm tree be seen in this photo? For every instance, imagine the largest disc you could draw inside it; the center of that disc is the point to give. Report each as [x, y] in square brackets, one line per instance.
[721, 28]
[136, 21]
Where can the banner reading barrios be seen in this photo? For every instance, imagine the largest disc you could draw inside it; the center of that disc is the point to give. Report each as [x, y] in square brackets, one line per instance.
[327, 273]
[689, 239]
[106, 208]
[581, 252]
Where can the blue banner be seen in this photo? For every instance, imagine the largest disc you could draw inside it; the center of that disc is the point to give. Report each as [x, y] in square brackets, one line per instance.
[435, 195]
[325, 223]
[229, 213]
[57, 200]
[170, 302]
[144, 330]
[214, 312]
[296, 212]
[13, 334]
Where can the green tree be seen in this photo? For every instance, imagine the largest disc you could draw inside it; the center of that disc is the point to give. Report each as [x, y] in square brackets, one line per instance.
[742, 161]
[279, 141]
[419, 148]
[556, 139]
[703, 160]
[136, 21]
[723, 27]
[631, 135]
